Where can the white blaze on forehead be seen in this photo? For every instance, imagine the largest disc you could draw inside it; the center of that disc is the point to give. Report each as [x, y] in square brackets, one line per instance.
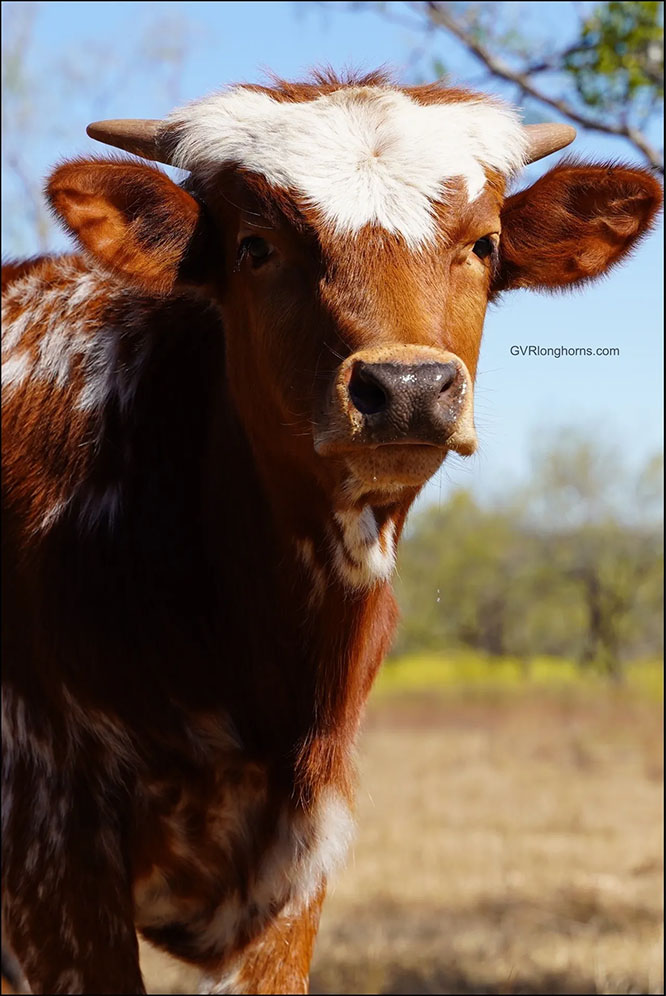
[361, 155]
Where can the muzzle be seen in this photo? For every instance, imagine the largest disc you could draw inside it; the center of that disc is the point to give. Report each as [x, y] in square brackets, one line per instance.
[401, 408]
[399, 395]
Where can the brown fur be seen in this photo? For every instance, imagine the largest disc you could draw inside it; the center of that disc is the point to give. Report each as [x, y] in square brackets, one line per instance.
[575, 223]
[184, 669]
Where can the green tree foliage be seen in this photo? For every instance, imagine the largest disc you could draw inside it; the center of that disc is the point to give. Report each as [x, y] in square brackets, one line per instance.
[567, 568]
[620, 57]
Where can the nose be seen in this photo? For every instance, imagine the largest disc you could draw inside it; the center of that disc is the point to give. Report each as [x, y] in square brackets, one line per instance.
[406, 402]
[397, 393]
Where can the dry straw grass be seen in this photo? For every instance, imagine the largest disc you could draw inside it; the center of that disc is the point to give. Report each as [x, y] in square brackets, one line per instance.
[509, 845]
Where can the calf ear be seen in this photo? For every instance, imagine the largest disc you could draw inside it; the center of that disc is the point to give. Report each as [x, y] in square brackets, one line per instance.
[574, 224]
[133, 219]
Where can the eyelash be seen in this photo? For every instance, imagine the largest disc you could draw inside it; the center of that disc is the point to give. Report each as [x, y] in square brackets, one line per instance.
[487, 247]
[492, 258]
[245, 251]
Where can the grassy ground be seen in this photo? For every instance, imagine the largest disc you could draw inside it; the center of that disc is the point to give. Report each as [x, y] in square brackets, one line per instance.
[509, 838]
[464, 674]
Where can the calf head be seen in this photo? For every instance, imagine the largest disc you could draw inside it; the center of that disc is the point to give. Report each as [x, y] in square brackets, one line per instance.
[352, 236]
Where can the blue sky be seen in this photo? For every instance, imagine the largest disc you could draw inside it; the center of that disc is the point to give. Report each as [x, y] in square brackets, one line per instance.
[519, 399]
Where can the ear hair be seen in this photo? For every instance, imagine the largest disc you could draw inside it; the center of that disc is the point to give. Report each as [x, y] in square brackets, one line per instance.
[132, 218]
[575, 223]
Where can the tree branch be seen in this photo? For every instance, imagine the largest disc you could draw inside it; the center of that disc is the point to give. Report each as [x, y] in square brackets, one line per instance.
[440, 16]
[554, 62]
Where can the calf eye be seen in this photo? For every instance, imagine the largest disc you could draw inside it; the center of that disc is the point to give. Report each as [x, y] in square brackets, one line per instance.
[258, 250]
[484, 247]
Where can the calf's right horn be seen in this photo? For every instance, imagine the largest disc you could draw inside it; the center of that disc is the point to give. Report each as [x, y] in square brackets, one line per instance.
[143, 137]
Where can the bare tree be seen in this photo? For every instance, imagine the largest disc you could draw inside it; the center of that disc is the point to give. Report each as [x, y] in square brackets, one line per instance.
[38, 96]
[609, 79]
[19, 119]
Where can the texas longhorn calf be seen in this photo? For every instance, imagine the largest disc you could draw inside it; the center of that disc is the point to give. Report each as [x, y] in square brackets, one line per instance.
[217, 413]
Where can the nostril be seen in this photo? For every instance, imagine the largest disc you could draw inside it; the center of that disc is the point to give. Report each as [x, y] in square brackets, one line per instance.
[367, 395]
[446, 375]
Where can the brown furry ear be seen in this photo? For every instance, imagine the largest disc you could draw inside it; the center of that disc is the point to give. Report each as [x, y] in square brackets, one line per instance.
[131, 217]
[574, 224]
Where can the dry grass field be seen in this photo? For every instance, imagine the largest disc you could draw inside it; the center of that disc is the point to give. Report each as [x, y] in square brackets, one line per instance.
[506, 844]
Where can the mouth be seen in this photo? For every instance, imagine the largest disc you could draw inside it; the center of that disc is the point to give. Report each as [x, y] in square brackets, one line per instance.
[391, 466]
[411, 445]
[345, 448]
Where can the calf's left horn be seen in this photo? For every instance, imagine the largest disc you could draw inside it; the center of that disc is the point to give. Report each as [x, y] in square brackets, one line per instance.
[543, 139]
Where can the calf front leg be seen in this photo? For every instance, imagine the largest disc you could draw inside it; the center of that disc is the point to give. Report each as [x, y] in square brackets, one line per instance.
[66, 897]
[278, 961]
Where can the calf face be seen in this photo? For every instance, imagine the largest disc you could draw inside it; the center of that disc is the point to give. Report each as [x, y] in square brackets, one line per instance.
[357, 349]
[352, 240]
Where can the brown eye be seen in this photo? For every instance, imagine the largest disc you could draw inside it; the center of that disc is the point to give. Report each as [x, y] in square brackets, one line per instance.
[484, 247]
[258, 250]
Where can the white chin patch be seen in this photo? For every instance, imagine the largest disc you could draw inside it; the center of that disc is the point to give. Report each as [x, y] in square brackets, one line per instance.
[360, 155]
[362, 554]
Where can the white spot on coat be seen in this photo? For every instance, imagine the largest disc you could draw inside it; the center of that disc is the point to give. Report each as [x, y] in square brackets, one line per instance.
[227, 982]
[14, 371]
[361, 555]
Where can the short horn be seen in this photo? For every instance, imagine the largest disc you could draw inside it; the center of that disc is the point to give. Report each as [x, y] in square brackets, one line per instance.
[141, 137]
[546, 138]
